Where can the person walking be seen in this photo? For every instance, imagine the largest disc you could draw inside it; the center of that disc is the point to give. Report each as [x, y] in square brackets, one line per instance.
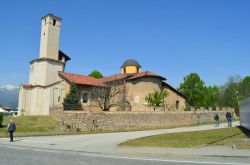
[11, 129]
[217, 120]
[229, 119]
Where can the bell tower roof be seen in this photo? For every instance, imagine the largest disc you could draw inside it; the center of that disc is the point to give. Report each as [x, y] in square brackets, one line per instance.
[52, 16]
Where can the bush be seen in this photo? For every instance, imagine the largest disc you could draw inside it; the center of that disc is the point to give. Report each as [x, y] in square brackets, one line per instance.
[1, 118]
[72, 99]
[156, 99]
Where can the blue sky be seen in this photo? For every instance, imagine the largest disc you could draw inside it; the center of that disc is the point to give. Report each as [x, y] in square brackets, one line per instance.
[171, 38]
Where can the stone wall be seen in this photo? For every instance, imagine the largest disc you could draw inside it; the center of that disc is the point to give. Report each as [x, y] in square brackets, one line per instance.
[84, 121]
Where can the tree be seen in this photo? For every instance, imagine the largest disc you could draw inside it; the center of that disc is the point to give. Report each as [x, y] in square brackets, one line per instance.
[72, 99]
[244, 88]
[212, 96]
[111, 95]
[230, 93]
[230, 96]
[194, 89]
[96, 74]
[156, 99]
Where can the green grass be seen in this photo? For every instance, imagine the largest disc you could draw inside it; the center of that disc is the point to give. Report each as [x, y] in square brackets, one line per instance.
[192, 139]
[31, 124]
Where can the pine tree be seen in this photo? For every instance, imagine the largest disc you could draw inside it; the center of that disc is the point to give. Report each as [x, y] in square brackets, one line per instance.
[72, 99]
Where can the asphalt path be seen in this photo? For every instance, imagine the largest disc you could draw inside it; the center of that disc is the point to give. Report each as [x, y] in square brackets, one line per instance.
[11, 155]
[102, 149]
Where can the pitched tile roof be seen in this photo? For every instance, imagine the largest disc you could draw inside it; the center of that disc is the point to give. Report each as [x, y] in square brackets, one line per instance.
[115, 77]
[81, 79]
[86, 80]
[146, 74]
[166, 85]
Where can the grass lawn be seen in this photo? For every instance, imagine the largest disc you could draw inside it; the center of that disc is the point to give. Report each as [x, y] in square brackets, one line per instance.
[225, 136]
[28, 125]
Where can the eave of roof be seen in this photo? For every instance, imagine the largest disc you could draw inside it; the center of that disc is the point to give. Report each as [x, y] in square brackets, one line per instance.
[61, 53]
[115, 77]
[173, 89]
[46, 59]
[30, 86]
[53, 16]
[146, 74]
[81, 79]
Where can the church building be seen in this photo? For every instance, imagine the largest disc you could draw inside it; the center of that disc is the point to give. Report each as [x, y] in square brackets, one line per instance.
[49, 83]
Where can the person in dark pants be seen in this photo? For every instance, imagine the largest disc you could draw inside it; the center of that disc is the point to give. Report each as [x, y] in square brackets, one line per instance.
[11, 129]
[229, 119]
[217, 120]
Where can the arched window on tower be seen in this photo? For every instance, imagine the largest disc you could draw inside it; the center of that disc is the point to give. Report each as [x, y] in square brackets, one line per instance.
[54, 22]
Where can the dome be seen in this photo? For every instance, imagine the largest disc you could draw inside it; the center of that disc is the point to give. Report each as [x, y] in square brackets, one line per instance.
[131, 62]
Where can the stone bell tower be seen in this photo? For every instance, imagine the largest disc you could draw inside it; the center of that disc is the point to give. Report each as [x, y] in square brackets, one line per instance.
[50, 35]
[44, 70]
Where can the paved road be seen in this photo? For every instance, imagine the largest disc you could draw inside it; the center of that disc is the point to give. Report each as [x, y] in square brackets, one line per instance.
[10, 155]
[91, 146]
[107, 143]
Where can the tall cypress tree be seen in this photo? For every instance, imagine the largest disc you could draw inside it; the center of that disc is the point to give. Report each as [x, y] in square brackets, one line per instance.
[72, 99]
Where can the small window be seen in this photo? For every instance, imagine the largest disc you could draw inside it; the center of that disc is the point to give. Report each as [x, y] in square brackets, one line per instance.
[137, 99]
[177, 105]
[44, 34]
[54, 22]
[85, 97]
[58, 100]
[45, 21]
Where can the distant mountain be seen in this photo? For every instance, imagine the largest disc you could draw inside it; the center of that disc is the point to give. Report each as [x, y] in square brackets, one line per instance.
[9, 95]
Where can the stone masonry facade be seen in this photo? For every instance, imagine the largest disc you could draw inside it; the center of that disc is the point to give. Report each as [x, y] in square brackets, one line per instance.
[88, 121]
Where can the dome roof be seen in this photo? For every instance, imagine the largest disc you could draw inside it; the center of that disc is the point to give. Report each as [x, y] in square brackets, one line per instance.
[131, 62]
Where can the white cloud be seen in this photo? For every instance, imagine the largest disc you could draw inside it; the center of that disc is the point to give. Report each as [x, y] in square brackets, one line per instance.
[8, 87]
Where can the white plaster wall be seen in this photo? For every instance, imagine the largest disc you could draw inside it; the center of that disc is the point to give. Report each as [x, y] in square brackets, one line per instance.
[21, 100]
[45, 72]
[38, 73]
[50, 36]
[52, 68]
[36, 101]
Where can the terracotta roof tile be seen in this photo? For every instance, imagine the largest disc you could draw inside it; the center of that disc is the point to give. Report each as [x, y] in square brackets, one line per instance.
[87, 80]
[115, 77]
[81, 79]
[146, 74]
[166, 85]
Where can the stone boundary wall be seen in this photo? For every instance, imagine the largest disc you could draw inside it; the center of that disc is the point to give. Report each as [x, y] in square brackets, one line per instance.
[85, 121]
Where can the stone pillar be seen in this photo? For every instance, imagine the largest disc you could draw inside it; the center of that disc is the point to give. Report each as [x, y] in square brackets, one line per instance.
[192, 109]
